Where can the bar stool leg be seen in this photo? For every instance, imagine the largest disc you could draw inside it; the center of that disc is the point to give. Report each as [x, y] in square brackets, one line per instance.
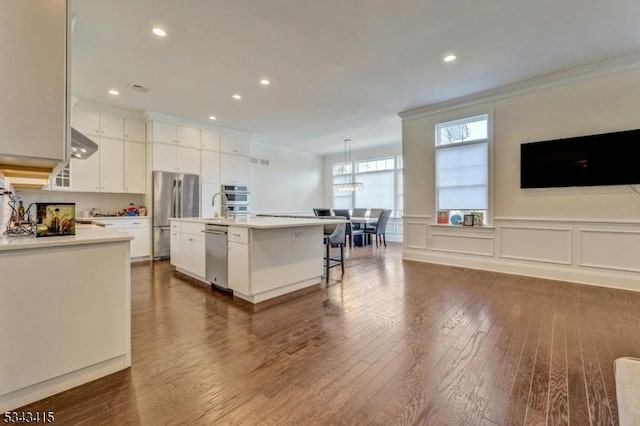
[327, 262]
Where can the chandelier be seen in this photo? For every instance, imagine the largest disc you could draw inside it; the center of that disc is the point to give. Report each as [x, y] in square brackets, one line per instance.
[350, 185]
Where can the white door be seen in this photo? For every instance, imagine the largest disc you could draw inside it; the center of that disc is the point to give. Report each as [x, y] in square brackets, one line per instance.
[134, 129]
[176, 253]
[189, 136]
[185, 252]
[134, 168]
[210, 140]
[164, 157]
[210, 166]
[198, 255]
[86, 122]
[234, 169]
[164, 132]
[85, 174]
[188, 160]
[111, 165]
[239, 267]
[111, 126]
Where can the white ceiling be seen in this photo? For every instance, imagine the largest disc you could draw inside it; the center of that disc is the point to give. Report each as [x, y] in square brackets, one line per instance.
[338, 68]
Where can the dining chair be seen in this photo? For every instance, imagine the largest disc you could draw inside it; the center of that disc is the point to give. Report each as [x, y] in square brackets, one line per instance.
[381, 227]
[322, 212]
[359, 212]
[351, 230]
[334, 236]
[358, 226]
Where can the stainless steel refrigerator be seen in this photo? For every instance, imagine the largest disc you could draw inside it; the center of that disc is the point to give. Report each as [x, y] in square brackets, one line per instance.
[174, 195]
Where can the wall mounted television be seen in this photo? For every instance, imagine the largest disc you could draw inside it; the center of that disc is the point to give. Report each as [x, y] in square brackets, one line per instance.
[604, 159]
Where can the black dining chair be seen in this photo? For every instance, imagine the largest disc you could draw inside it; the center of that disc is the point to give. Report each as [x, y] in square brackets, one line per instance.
[381, 227]
[322, 212]
[351, 230]
[334, 236]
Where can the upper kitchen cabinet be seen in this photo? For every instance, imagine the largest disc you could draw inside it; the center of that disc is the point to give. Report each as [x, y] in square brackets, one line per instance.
[174, 134]
[210, 141]
[234, 144]
[92, 124]
[234, 169]
[134, 129]
[34, 106]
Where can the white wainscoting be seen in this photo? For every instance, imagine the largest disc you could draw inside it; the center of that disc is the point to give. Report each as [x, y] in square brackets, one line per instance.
[598, 252]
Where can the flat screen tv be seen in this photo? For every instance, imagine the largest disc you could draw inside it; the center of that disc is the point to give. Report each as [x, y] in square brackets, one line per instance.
[605, 159]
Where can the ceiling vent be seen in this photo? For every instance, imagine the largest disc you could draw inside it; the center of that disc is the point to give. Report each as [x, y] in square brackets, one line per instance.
[138, 88]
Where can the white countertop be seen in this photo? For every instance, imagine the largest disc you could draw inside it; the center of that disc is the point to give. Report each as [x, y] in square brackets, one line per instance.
[97, 218]
[261, 222]
[87, 234]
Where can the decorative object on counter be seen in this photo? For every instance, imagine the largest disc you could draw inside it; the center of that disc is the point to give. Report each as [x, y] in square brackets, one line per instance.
[142, 211]
[20, 223]
[443, 216]
[468, 220]
[55, 219]
[456, 219]
[131, 210]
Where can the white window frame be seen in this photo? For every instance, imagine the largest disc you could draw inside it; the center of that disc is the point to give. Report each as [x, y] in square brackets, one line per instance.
[461, 118]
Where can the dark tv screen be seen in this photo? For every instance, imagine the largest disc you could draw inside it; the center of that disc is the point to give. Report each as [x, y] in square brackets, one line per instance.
[605, 159]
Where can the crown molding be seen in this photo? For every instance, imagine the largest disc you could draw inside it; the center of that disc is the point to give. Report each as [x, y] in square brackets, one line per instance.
[96, 106]
[526, 86]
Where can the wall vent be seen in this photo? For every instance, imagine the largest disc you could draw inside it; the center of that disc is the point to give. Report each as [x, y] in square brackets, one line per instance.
[253, 160]
[264, 162]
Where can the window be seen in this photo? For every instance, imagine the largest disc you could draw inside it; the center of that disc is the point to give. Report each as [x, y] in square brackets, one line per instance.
[382, 179]
[462, 165]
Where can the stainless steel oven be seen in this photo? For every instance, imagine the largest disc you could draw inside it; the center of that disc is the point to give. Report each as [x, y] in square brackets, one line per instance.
[237, 199]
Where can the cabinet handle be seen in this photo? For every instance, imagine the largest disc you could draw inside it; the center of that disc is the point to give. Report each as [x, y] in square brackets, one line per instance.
[236, 235]
[97, 187]
[135, 223]
[190, 239]
[102, 131]
[235, 150]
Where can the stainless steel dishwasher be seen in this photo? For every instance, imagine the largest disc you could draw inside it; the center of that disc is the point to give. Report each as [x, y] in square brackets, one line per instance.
[216, 261]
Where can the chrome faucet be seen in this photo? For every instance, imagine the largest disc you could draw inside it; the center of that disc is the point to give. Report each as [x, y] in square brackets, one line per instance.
[223, 207]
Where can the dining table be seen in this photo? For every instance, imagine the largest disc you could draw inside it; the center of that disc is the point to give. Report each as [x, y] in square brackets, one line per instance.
[361, 222]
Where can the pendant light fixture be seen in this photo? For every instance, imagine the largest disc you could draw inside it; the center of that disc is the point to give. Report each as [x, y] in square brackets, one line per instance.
[350, 185]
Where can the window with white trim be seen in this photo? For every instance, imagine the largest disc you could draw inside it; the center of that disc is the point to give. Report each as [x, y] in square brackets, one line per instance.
[462, 166]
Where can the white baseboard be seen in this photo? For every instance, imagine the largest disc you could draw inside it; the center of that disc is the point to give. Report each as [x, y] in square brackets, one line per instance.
[538, 270]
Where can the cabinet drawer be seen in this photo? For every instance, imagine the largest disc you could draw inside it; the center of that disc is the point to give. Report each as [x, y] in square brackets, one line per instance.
[134, 223]
[175, 226]
[238, 235]
[192, 228]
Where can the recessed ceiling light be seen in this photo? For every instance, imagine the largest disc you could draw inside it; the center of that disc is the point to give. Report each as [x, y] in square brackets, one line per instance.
[237, 97]
[449, 58]
[212, 117]
[159, 32]
[265, 82]
[114, 92]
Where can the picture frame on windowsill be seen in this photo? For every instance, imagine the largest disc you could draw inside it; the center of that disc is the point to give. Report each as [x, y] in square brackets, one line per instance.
[468, 219]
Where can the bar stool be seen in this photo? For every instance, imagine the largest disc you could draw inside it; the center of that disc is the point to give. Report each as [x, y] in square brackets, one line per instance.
[334, 236]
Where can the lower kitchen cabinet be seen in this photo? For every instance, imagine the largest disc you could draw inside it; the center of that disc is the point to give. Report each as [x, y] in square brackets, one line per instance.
[238, 267]
[138, 227]
[188, 249]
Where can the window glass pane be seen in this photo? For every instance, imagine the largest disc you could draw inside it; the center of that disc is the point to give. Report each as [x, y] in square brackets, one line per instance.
[467, 130]
[341, 169]
[341, 200]
[377, 192]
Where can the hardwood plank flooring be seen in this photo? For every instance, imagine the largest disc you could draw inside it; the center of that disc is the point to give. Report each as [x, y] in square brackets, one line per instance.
[390, 342]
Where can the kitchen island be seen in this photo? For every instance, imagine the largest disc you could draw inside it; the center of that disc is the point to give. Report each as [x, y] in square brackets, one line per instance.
[65, 312]
[267, 256]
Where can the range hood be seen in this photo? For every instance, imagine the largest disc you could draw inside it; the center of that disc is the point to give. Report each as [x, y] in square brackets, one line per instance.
[81, 146]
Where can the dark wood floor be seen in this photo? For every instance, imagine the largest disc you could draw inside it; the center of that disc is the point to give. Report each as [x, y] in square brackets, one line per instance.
[393, 342]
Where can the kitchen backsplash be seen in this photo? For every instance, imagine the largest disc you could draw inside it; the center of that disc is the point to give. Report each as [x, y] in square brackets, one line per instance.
[102, 202]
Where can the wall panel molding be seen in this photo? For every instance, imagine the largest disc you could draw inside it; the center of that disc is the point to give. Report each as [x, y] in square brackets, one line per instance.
[538, 244]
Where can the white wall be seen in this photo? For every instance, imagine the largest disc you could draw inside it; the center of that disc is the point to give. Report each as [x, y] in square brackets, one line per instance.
[530, 222]
[292, 182]
[360, 154]
[104, 202]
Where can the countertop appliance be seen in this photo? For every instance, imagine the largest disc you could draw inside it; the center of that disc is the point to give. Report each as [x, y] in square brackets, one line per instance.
[237, 199]
[174, 195]
[216, 255]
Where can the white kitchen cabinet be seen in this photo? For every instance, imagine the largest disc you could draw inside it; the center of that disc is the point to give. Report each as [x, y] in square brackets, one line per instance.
[135, 168]
[176, 253]
[134, 129]
[34, 85]
[164, 157]
[111, 155]
[210, 166]
[234, 144]
[238, 262]
[234, 169]
[93, 123]
[208, 191]
[85, 174]
[138, 227]
[188, 160]
[175, 134]
[210, 140]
